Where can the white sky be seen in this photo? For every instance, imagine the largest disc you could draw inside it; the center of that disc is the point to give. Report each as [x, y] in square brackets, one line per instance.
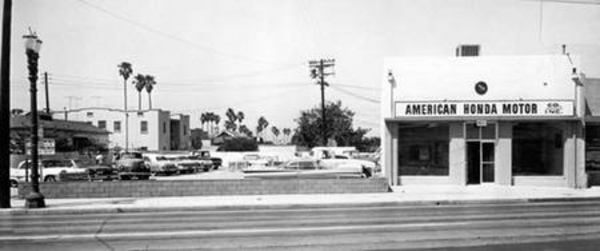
[251, 55]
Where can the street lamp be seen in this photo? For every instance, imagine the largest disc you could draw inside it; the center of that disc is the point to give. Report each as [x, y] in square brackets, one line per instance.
[32, 48]
[392, 82]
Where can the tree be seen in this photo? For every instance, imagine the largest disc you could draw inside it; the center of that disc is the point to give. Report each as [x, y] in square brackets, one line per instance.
[239, 144]
[276, 132]
[125, 71]
[230, 124]
[244, 129]
[150, 82]
[203, 119]
[287, 132]
[139, 81]
[217, 120]
[240, 117]
[339, 126]
[262, 124]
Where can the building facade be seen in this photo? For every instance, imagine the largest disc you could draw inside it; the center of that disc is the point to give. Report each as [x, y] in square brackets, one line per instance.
[180, 132]
[148, 129]
[507, 120]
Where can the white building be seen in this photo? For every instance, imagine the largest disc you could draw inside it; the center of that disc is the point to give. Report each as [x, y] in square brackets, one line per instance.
[508, 120]
[148, 129]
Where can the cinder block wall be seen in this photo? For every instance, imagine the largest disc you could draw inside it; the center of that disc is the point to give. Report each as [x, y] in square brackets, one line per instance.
[156, 188]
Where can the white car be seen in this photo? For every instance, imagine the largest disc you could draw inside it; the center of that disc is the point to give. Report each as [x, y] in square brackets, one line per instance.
[50, 170]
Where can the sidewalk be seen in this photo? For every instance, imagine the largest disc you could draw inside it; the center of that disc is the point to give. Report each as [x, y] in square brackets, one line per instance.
[403, 195]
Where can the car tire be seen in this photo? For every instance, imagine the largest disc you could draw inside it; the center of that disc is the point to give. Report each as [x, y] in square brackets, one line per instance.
[143, 177]
[14, 184]
[124, 177]
[50, 178]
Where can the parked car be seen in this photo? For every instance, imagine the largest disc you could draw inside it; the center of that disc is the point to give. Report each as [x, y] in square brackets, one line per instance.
[306, 168]
[204, 164]
[205, 155]
[49, 170]
[184, 164]
[96, 171]
[159, 164]
[131, 165]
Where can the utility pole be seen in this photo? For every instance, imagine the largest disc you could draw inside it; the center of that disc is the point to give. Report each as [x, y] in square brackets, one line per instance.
[317, 71]
[5, 107]
[47, 95]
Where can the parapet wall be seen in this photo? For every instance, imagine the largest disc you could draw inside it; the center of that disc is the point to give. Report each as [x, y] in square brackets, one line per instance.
[159, 188]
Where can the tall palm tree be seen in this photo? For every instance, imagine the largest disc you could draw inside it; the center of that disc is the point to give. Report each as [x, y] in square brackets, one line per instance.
[217, 120]
[125, 70]
[275, 131]
[231, 119]
[150, 82]
[240, 117]
[262, 124]
[139, 81]
[203, 119]
[287, 132]
[210, 117]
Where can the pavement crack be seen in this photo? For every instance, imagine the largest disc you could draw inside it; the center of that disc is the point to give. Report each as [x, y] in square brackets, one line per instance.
[99, 231]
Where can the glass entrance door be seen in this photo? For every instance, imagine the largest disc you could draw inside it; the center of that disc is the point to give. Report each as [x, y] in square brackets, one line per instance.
[480, 153]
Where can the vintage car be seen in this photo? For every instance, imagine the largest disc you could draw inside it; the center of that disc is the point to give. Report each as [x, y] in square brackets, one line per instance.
[131, 165]
[306, 168]
[184, 164]
[49, 170]
[205, 155]
[96, 171]
[204, 164]
[159, 164]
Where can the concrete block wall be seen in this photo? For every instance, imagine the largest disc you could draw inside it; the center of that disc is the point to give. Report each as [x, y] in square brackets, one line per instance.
[156, 188]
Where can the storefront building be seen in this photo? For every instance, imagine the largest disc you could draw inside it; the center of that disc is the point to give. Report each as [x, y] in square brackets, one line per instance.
[506, 120]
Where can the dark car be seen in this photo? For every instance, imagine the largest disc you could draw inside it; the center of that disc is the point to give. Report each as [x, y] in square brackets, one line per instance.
[97, 171]
[131, 165]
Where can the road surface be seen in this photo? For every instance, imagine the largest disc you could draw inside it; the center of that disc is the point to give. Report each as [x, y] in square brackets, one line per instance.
[511, 226]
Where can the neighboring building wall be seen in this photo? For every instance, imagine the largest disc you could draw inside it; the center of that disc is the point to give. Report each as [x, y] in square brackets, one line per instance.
[180, 132]
[155, 136]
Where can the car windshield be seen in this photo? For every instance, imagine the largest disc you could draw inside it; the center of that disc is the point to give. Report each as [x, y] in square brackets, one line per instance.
[132, 155]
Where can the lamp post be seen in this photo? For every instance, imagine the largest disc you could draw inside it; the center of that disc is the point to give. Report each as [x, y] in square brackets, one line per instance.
[392, 82]
[32, 48]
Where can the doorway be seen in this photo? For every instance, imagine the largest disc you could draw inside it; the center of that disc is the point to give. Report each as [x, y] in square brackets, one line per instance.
[480, 155]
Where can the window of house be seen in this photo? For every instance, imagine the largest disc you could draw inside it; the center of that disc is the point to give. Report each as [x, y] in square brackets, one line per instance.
[592, 147]
[184, 131]
[89, 114]
[117, 126]
[140, 114]
[423, 149]
[144, 127]
[537, 149]
[164, 127]
[102, 124]
[467, 50]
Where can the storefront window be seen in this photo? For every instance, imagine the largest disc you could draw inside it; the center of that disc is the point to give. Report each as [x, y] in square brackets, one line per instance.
[423, 149]
[537, 149]
[592, 148]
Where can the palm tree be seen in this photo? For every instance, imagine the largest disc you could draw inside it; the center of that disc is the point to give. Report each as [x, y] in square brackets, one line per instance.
[240, 117]
[139, 81]
[217, 120]
[246, 131]
[275, 131]
[262, 124]
[125, 71]
[150, 82]
[210, 117]
[287, 132]
[231, 119]
[203, 119]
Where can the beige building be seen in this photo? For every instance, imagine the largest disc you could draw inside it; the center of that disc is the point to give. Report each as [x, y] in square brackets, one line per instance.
[506, 120]
[148, 129]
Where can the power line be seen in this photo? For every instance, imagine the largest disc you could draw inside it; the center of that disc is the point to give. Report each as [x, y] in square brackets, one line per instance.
[172, 37]
[358, 87]
[355, 95]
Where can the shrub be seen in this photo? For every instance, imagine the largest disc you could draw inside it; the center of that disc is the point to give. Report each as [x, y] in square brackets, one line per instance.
[239, 144]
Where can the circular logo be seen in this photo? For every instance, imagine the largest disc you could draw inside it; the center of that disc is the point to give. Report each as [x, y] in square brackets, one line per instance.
[481, 87]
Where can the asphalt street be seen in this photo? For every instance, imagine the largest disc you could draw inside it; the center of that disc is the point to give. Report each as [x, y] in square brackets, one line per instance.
[510, 226]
